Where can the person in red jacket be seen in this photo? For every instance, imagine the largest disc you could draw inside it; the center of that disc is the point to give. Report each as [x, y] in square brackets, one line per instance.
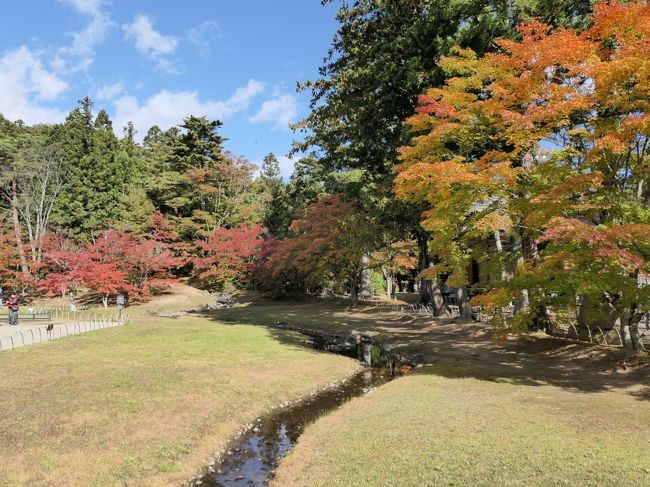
[13, 305]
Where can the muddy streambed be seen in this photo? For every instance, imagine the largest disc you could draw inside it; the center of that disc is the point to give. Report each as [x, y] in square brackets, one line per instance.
[253, 457]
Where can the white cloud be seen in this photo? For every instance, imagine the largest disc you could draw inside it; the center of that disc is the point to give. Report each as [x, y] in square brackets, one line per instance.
[80, 54]
[25, 84]
[168, 108]
[280, 111]
[286, 166]
[202, 35]
[90, 7]
[150, 42]
[108, 92]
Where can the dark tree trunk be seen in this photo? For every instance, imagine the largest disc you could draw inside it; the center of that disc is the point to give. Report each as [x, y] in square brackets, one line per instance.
[354, 290]
[429, 289]
[426, 285]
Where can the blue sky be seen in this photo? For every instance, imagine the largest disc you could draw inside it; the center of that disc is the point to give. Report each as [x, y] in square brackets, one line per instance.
[155, 62]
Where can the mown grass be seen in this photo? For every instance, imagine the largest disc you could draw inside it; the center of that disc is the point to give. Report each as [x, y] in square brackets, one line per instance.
[145, 404]
[438, 427]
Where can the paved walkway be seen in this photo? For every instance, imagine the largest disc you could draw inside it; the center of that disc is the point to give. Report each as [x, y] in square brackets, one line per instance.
[29, 334]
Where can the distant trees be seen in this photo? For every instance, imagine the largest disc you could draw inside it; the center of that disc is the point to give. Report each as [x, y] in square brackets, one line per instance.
[97, 172]
[384, 55]
[39, 183]
[328, 243]
[88, 210]
[115, 262]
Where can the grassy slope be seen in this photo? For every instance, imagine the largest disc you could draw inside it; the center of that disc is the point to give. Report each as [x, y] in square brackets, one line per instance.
[146, 404]
[438, 428]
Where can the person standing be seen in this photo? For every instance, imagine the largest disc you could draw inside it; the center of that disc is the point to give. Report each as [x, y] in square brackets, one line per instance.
[13, 305]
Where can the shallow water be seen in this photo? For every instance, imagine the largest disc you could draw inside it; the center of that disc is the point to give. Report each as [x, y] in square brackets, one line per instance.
[255, 456]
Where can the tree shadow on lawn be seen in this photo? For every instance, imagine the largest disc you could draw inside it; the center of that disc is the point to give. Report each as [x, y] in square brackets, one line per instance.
[469, 347]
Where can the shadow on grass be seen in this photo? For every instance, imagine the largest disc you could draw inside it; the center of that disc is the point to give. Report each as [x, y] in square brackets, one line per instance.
[467, 348]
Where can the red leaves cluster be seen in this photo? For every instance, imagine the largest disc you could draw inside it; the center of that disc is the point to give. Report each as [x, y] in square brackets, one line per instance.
[229, 254]
[330, 237]
[607, 246]
[115, 262]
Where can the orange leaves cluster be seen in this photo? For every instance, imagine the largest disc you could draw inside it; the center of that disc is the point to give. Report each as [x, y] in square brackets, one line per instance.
[539, 140]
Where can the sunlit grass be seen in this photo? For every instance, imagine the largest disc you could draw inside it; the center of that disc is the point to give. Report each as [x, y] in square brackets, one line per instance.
[430, 430]
[145, 404]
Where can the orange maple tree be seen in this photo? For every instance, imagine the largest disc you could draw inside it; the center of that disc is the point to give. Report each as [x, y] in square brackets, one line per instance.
[536, 158]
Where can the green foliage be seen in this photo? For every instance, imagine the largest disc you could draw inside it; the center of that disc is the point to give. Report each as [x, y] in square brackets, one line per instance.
[98, 175]
[277, 211]
[384, 55]
[377, 282]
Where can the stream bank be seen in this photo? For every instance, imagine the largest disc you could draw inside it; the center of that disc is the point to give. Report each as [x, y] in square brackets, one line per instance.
[251, 458]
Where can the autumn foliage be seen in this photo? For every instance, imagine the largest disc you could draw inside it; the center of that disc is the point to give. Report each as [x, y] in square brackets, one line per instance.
[542, 148]
[229, 255]
[115, 262]
[330, 239]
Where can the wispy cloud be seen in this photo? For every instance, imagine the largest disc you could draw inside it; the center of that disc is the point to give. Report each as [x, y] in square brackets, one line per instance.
[280, 111]
[151, 43]
[203, 35]
[108, 92]
[80, 54]
[25, 85]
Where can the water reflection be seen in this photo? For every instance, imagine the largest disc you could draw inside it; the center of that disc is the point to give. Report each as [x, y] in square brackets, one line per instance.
[256, 456]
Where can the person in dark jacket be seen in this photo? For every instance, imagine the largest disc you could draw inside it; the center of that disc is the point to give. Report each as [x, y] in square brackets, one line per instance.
[13, 305]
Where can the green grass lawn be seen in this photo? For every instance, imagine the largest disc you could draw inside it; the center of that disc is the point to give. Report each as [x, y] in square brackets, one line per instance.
[437, 427]
[146, 404]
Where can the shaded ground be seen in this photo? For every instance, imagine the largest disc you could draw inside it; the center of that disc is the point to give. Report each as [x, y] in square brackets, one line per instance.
[536, 359]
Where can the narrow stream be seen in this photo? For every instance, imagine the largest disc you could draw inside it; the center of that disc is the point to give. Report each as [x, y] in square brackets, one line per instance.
[253, 458]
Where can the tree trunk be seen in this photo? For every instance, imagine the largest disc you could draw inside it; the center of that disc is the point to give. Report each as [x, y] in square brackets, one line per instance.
[365, 276]
[635, 338]
[499, 246]
[463, 302]
[354, 291]
[17, 231]
[389, 284]
[105, 300]
[626, 336]
[524, 302]
[426, 285]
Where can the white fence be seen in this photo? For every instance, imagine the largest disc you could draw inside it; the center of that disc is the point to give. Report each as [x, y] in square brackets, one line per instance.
[452, 309]
[34, 335]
